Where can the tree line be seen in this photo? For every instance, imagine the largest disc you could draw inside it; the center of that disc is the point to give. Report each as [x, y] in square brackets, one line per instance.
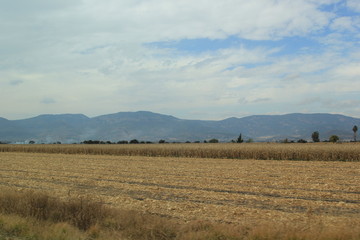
[315, 136]
[333, 138]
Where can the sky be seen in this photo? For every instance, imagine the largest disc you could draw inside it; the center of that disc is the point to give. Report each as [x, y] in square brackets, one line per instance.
[206, 60]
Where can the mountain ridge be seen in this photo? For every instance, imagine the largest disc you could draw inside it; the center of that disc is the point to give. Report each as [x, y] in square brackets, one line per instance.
[150, 126]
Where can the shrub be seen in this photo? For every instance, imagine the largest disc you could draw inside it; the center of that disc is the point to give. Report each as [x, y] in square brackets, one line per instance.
[334, 138]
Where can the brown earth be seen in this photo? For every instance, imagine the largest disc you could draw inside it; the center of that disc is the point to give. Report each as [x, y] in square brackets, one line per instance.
[221, 190]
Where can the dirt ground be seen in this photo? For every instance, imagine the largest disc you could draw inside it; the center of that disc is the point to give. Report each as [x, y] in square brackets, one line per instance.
[221, 190]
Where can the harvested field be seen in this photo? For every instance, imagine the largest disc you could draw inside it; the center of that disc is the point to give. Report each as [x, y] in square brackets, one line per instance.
[220, 190]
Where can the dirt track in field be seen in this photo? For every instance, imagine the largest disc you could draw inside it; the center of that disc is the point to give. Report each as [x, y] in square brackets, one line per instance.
[221, 190]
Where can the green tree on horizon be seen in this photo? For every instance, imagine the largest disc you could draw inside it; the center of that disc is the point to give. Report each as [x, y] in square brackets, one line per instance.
[240, 139]
[355, 128]
[334, 138]
[315, 136]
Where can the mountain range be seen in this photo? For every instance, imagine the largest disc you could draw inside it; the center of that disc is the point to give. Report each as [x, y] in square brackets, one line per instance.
[149, 126]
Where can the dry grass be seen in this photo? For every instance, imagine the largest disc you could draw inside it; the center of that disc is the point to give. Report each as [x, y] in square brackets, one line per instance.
[20, 222]
[260, 151]
[23, 213]
[80, 212]
[14, 227]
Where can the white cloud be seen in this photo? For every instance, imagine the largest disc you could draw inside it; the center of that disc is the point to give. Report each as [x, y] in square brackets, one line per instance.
[155, 20]
[354, 5]
[346, 24]
[93, 56]
[158, 20]
[350, 70]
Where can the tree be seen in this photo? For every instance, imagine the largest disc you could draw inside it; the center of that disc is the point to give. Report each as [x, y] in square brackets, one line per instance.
[334, 138]
[355, 128]
[134, 141]
[214, 140]
[315, 136]
[240, 140]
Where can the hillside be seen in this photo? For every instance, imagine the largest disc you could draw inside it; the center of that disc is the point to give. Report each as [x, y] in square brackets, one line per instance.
[149, 126]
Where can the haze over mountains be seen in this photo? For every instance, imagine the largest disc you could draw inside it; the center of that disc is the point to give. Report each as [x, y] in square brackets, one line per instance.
[149, 126]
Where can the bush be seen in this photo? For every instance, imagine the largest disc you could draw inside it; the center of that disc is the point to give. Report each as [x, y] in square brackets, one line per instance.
[334, 138]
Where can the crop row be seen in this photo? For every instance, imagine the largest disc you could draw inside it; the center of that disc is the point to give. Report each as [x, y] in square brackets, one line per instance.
[260, 151]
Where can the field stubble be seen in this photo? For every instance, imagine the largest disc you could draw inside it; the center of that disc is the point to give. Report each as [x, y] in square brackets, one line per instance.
[299, 194]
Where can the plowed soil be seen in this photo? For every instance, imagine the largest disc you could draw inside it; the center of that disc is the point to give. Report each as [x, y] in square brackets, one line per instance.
[221, 190]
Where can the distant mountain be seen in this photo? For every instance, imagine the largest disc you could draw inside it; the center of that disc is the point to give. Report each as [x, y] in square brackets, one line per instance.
[148, 126]
[50, 128]
[293, 126]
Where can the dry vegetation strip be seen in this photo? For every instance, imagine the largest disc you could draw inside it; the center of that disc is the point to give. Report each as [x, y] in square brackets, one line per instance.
[37, 216]
[261, 151]
[302, 195]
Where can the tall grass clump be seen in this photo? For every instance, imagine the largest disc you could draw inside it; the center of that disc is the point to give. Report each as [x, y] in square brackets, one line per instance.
[80, 212]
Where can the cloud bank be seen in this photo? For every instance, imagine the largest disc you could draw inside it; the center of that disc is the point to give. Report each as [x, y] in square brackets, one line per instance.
[191, 59]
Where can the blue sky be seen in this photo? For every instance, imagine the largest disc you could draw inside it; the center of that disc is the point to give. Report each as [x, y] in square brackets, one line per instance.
[191, 59]
[286, 46]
